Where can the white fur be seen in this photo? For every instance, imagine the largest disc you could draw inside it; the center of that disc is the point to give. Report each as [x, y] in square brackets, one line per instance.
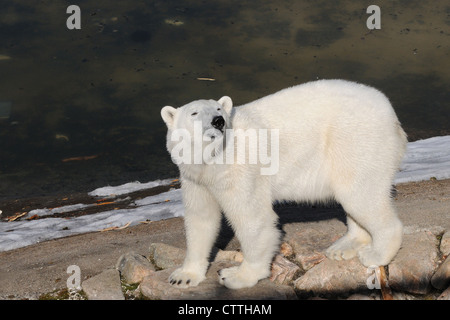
[337, 140]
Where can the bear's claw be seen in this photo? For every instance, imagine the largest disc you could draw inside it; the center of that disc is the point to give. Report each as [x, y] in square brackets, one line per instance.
[185, 279]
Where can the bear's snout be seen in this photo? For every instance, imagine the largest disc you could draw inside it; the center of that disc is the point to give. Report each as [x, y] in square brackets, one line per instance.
[218, 122]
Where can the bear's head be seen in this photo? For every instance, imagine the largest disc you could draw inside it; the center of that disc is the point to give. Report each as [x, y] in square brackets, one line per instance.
[197, 126]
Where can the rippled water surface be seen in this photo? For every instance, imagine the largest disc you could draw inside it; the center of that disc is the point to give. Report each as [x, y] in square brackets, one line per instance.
[80, 109]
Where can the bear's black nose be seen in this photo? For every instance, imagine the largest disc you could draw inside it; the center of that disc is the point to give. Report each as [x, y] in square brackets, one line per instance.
[218, 122]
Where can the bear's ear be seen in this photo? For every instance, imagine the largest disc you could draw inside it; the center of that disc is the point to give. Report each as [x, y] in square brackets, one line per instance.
[168, 114]
[226, 103]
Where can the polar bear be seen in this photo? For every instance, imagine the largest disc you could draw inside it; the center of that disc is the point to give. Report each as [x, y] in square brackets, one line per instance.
[337, 140]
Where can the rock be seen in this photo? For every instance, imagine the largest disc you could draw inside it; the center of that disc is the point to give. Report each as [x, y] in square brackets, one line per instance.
[309, 260]
[415, 263]
[445, 295]
[445, 244]
[283, 270]
[310, 241]
[156, 286]
[165, 256]
[104, 286]
[332, 277]
[358, 296]
[441, 279]
[229, 255]
[403, 296]
[286, 249]
[133, 267]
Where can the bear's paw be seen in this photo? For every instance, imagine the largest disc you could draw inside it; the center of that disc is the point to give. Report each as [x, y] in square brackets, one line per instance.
[184, 279]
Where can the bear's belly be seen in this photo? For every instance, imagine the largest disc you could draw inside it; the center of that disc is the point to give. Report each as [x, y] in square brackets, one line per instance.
[301, 185]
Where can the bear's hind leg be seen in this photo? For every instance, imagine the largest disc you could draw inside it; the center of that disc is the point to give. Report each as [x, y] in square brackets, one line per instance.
[348, 246]
[386, 240]
[377, 216]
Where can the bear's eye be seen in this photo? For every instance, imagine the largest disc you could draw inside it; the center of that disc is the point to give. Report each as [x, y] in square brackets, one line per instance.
[194, 114]
[218, 109]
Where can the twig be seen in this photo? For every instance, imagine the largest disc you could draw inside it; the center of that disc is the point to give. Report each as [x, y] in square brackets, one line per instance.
[16, 216]
[82, 158]
[116, 228]
[104, 203]
[386, 292]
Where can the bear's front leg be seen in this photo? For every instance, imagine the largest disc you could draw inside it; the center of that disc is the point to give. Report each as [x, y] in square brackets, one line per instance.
[255, 226]
[202, 223]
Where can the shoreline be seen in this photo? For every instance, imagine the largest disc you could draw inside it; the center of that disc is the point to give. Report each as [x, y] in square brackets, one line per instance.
[25, 221]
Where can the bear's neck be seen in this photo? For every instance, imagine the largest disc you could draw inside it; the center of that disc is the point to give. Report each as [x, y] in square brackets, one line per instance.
[205, 174]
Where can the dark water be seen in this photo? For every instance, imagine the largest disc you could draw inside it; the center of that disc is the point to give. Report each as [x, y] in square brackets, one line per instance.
[79, 109]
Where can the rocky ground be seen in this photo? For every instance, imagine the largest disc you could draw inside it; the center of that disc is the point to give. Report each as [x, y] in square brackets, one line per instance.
[294, 275]
[135, 263]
